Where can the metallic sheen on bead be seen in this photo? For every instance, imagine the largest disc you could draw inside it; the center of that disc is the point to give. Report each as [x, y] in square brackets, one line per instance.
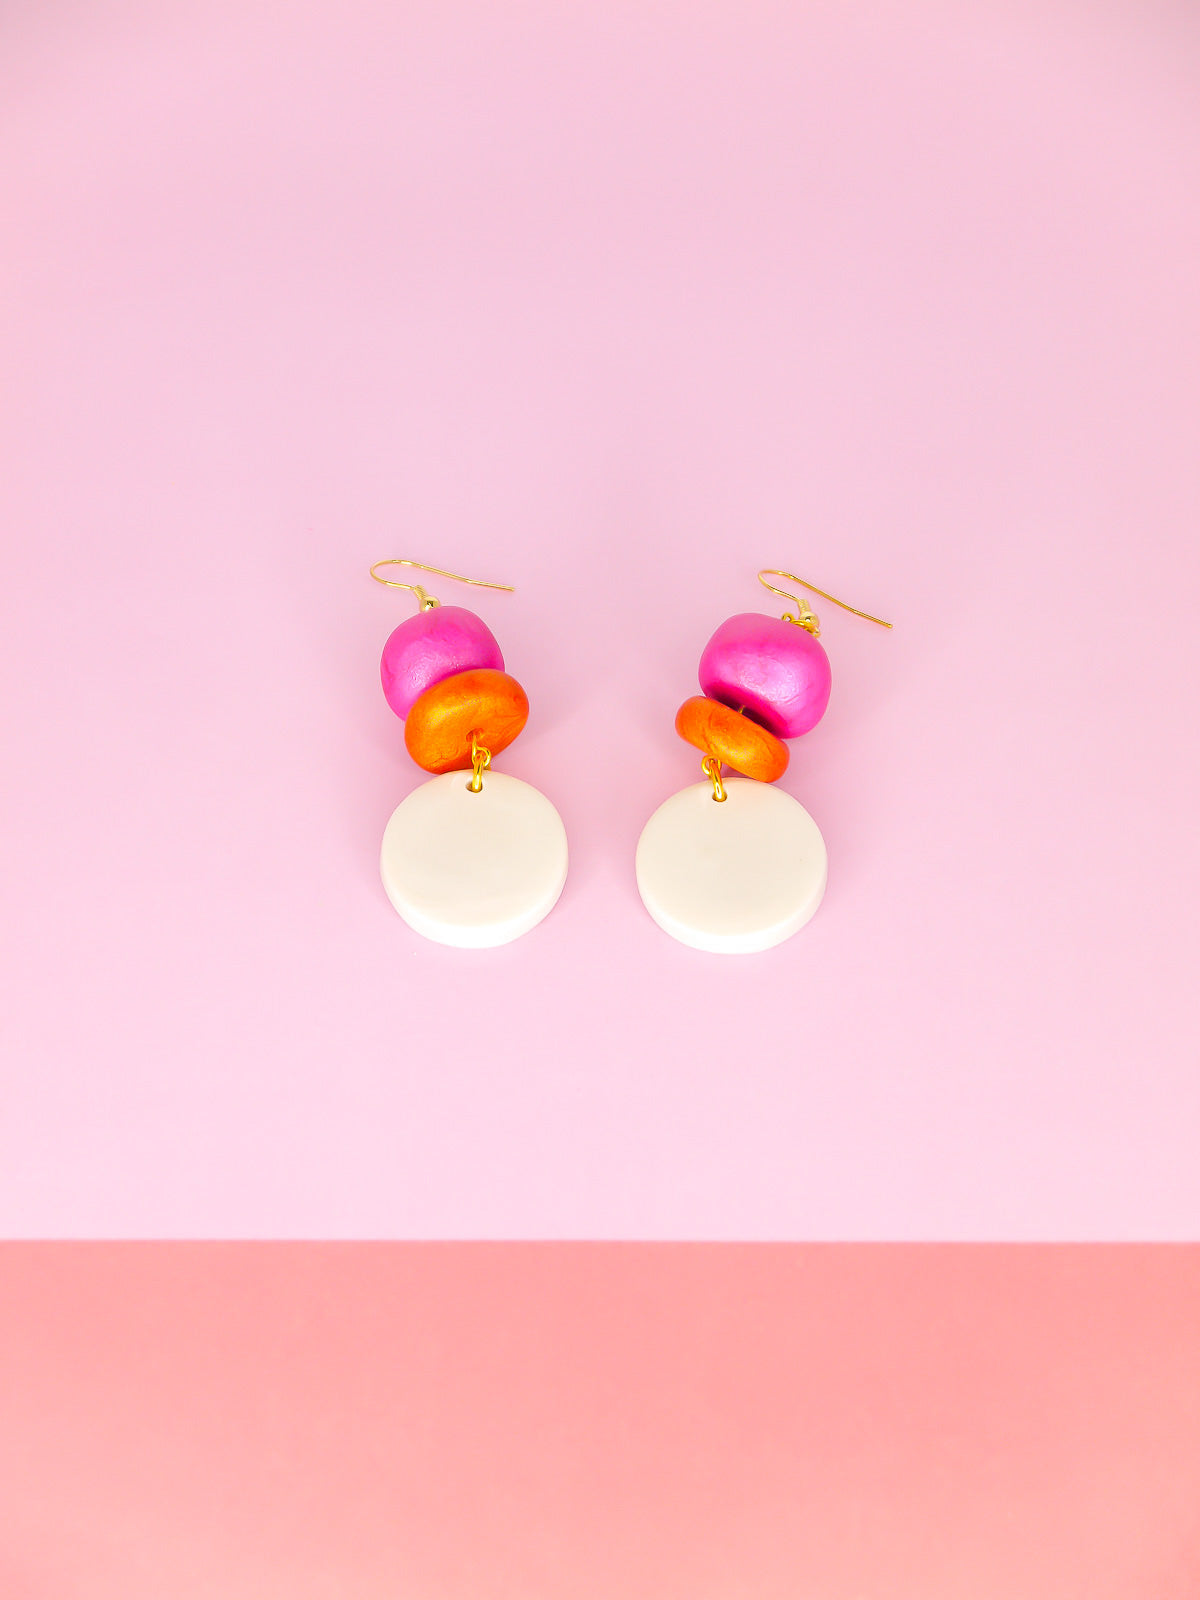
[731, 738]
[431, 646]
[774, 671]
[483, 706]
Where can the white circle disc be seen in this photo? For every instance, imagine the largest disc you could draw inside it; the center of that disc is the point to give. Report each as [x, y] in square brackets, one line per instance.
[731, 876]
[474, 870]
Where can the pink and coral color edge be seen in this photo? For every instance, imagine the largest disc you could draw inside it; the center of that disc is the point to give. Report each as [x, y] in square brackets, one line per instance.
[617, 303]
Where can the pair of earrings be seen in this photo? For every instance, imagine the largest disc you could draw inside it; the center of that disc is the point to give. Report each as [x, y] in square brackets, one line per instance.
[729, 865]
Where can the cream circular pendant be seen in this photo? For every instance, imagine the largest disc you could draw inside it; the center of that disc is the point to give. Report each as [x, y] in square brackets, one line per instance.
[731, 876]
[474, 869]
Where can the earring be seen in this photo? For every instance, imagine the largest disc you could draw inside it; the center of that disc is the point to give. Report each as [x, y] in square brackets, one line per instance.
[737, 866]
[471, 862]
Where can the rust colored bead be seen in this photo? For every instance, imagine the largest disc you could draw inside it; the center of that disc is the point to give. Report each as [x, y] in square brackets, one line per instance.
[732, 738]
[483, 703]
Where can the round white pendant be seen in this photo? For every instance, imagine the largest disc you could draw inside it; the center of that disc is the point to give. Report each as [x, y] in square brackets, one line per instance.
[731, 876]
[474, 870]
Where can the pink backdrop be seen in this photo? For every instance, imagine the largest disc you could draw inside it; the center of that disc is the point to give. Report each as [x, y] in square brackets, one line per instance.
[616, 303]
[444, 1422]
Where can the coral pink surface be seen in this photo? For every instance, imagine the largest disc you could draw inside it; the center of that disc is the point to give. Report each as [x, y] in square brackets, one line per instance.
[444, 1422]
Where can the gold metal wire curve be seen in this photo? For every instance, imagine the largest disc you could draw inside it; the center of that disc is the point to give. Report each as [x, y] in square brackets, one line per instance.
[481, 760]
[428, 601]
[711, 768]
[805, 617]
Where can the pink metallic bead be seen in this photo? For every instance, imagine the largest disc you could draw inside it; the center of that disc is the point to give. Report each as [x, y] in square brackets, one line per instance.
[773, 670]
[431, 646]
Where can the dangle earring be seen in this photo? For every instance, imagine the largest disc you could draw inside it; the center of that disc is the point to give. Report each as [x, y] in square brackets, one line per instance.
[472, 858]
[736, 865]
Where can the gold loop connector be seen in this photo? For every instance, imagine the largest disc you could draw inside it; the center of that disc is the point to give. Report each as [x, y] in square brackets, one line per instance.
[711, 768]
[481, 760]
[805, 617]
[428, 601]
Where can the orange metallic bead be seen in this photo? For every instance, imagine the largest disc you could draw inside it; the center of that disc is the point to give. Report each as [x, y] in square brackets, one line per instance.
[732, 738]
[483, 704]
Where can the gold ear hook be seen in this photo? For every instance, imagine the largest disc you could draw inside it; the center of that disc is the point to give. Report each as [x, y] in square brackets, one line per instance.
[805, 616]
[428, 601]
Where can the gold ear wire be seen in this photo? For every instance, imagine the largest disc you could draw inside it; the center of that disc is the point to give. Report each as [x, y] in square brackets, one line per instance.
[805, 616]
[428, 601]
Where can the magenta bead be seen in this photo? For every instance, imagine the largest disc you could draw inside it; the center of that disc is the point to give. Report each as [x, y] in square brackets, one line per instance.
[773, 670]
[431, 646]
